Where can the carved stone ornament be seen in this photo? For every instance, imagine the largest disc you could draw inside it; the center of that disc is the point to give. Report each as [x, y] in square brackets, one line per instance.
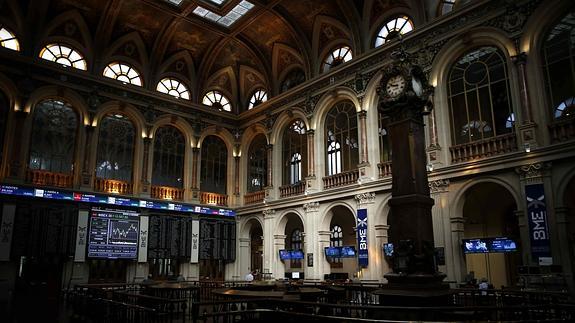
[311, 207]
[438, 186]
[269, 213]
[365, 198]
[532, 171]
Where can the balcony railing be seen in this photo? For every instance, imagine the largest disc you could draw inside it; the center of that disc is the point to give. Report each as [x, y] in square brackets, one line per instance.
[484, 148]
[384, 169]
[45, 178]
[167, 193]
[562, 130]
[341, 179]
[292, 189]
[112, 186]
[254, 197]
[213, 198]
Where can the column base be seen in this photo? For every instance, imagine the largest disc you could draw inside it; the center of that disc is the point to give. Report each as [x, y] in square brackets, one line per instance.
[415, 290]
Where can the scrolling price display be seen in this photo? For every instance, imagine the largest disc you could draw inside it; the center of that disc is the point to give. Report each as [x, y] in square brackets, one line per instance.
[113, 234]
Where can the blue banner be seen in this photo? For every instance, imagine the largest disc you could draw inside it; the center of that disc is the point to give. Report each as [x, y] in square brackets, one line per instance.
[537, 217]
[362, 255]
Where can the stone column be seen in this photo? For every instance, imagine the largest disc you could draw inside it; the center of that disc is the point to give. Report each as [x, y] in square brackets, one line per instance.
[145, 181]
[237, 175]
[87, 171]
[364, 159]
[311, 211]
[245, 256]
[310, 153]
[381, 238]
[279, 243]
[270, 258]
[195, 165]
[269, 150]
[527, 127]
[457, 224]
[439, 190]
[323, 240]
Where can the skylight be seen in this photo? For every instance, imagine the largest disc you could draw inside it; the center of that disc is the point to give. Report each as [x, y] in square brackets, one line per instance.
[175, 2]
[231, 17]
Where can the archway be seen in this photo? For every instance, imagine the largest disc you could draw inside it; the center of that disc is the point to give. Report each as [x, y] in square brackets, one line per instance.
[256, 248]
[489, 215]
[294, 246]
[342, 234]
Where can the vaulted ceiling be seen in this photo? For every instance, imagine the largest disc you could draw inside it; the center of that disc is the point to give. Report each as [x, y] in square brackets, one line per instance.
[170, 36]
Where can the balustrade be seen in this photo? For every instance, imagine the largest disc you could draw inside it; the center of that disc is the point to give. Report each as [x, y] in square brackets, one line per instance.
[46, 178]
[484, 148]
[254, 197]
[213, 198]
[292, 189]
[562, 130]
[341, 179]
[112, 186]
[167, 193]
[384, 169]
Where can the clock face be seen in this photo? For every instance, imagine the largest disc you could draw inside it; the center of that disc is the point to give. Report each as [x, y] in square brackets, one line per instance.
[395, 86]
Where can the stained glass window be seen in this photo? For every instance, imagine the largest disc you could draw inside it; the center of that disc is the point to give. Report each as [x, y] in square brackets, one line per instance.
[214, 165]
[115, 155]
[169, 151]
[294, 152]
[342, 148]
[257, 164]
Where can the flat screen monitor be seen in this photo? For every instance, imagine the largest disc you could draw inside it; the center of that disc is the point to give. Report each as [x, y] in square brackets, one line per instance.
[502, 244]
[285, 254]
[347, 251]
[113, 234]
[388, 249]
[332, 252]
[475, 246]
[296, 254]
[295, 275]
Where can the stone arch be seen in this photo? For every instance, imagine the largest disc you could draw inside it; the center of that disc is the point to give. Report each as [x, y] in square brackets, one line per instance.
[188, 79]
[319, 53]
[177, 122]
[562, 187]
[459, 198]
[228, 140]
[247, 89]
[284, 218]
[215, 83]
[11, 92]
[390, 14]
[283, 120]
[247, 225]
[279, 74]
[328, 215]
[140, 63]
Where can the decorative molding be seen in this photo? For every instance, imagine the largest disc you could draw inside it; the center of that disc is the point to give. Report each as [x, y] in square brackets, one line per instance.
[365, 198]
[533, 172]
[311, 207]
[269, 213]
[439, 186]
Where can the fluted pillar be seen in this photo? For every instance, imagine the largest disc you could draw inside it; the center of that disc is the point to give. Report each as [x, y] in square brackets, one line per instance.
[362, 115]
[87, 171]
[144, 180]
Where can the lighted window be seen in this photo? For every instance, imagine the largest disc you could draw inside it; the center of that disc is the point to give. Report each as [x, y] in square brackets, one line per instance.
[565, 108]
[231, 17]
[175, 2]
[63, 55]
[337, 57]
[217, 100]
[341, 139]
[393, 29]
[446, 6]
[123, 73]
[333, 158]
[257, 164]
[336, 240]
[294, 152]
[173, 87]
[258, 98]
[8, 40]
[296, 244]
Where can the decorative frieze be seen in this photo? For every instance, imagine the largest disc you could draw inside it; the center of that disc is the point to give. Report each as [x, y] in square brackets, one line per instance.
[533, 172]
[365, 198]
[439, 186]
[311, 207]
[269, 213]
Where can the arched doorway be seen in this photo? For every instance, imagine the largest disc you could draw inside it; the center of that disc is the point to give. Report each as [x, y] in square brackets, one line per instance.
[342, 234]
[294, 245]
[489, 213]
[256, 248]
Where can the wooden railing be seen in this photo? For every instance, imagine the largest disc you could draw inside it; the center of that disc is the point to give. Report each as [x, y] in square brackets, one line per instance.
[112, 186]
[484, 148]
[341, 179]
[254, 197]
[292, 189]
[167, 193]
[45, 178]
[213, 198]
[562, 130]
[384, 169]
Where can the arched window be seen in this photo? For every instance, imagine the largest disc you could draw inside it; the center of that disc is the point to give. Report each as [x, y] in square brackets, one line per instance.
[479, 100]
[294, 78]
[294, 152]
[123, 73]
[337, 57]
[115, 148]
[259, 97]
[257, 164]
[384, 142]
[64, 55]
[53, 139]
[8, 40]
[559, 63]
[174, 88]
[217, 100]
[341, 138]
[336, 240]
[296, 244]
[169, 150]
[214, 165]
[446, 6]
[392, 29]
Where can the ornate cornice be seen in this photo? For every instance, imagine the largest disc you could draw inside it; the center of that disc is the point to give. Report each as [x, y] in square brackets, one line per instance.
[439, 186]
[269, 213]
[533, 172]
[365, 198]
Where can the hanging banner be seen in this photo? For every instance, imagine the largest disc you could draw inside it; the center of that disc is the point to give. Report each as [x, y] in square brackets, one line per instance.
[6, 230]
[143, 243]
[537, 217]
[362, 256]
[195, 241]
[81, 236]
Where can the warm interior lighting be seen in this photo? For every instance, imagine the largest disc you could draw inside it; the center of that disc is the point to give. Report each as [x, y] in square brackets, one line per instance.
[527, 147]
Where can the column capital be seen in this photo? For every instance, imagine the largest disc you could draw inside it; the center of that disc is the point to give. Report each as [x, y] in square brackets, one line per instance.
[519, 59]
[365, 198]
[362, 114]
[269, 213]
[439, 186]
[533, 172]
[311, 207]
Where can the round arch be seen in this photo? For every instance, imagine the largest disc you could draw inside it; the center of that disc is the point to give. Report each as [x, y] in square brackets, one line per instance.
[328, 215]
[284, 120]
[284, 218]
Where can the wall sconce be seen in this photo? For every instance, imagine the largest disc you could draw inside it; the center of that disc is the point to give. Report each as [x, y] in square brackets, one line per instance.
[527, 147]
[430, 167]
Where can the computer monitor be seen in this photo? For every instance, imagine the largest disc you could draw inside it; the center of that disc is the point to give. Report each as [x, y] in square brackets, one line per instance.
[388, 249]
[295, 275]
